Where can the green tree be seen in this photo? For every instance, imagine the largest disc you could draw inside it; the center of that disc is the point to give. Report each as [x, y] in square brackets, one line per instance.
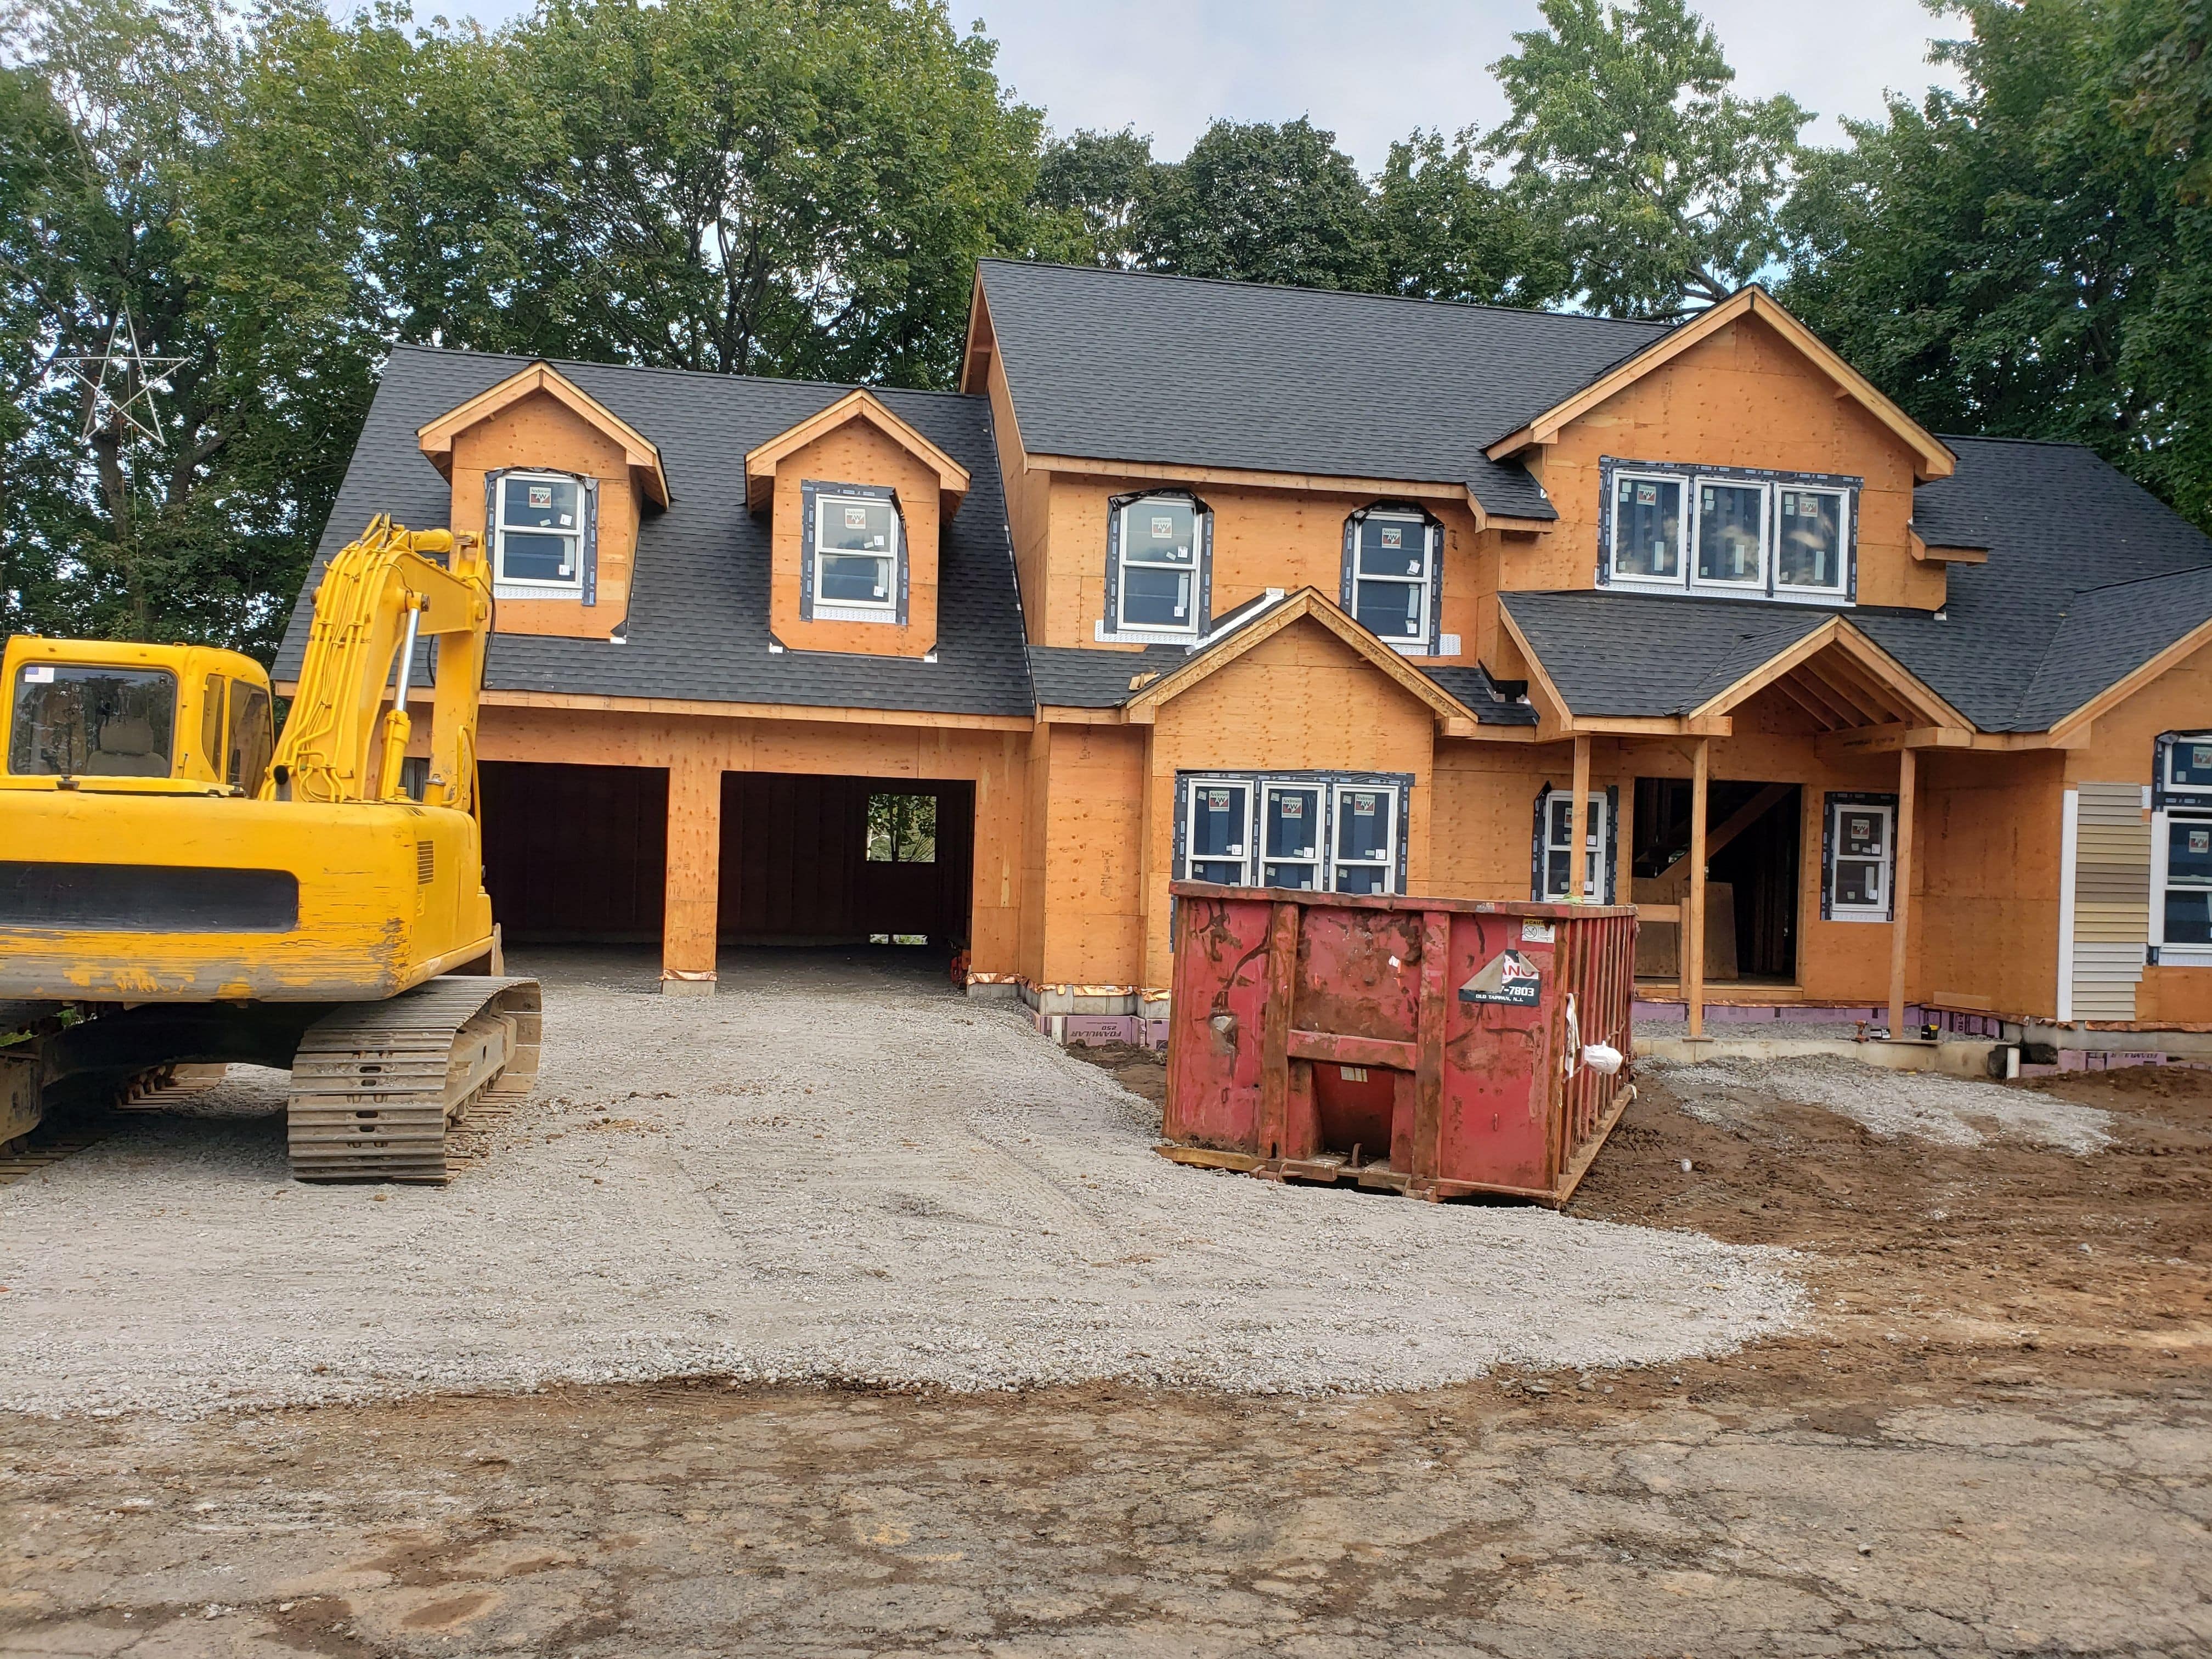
[1093, 191]
[1264, 203]
[2168, 86]
[1661, 186]
[2016, 258]
[1447, 233]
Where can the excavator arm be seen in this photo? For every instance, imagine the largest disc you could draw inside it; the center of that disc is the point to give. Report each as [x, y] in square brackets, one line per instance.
[379, 596]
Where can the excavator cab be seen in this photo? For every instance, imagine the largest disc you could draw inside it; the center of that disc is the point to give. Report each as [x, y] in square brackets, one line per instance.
[163, 719]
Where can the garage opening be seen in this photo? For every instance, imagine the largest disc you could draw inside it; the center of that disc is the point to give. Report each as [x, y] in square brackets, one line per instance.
[575, 854]
[844, 861]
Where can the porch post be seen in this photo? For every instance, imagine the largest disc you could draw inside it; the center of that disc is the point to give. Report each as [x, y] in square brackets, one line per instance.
[1900, 896]
[1578, 826]
[1693, 932]
[694, 872]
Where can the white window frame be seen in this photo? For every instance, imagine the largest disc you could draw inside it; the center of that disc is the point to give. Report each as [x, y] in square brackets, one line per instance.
[1598, 821]
[538, 586]
[1387, 864]
[1118, 626]
[2189, 954]
[883, 610]
[1676, 583]
[1244, 860]
[1417, 643]
[1837, 910]
[1841, 588]
[1317, 792]
[1695, 515]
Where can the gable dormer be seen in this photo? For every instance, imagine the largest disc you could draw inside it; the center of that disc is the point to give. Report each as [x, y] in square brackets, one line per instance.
[1737, 456]
[555, 482]
[856, 499]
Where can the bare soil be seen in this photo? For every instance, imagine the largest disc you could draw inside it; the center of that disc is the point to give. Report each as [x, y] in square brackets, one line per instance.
[1996, 1438]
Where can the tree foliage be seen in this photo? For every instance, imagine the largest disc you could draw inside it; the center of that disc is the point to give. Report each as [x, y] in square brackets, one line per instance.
[1661, 186]
[2022, 257]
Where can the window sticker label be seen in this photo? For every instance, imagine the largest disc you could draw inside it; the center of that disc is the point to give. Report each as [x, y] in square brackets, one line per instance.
[1290, 806]
[856, 518]
[1394, 538]
[541, 495]
[2200, 840]
[38, 673]
[1861, 833]
[2200, 757]
[1217, 801]
[875, 541]
[565, 520]
[1164, 529]
[1363, 806]
[1537, 933]
[1647, 495]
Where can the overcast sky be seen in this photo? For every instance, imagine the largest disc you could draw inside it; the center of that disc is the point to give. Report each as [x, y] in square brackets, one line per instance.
[1373, 73]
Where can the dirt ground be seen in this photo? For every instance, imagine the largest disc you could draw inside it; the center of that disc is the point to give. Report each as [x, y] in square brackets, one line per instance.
[1996, 1437]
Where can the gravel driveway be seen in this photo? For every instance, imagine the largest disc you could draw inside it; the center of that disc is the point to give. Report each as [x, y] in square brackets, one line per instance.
[836, 1168]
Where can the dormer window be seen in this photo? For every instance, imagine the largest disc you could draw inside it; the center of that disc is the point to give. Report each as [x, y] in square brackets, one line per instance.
[1157, 586]
[855, 553]
[542, 536]
[1720, 531]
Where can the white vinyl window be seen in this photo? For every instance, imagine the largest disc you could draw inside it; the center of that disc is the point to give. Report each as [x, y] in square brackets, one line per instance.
[1558, 845]
[1218, 822]
[1394, 578]
[1291, 830]
[856, 558]
[1158, 553]
[538, 538]
[1715, 532]
[1366, 840]
[2181, 887]
[1341, 833]
[1862, 860]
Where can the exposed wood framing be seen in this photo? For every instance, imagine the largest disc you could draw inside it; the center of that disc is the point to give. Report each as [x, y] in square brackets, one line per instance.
[1940, 555]
[639, 453]
[1578, 826]
[1739, 820]
[1900, 905]
[1933, 458]
[1845, 679]
[1691, 954]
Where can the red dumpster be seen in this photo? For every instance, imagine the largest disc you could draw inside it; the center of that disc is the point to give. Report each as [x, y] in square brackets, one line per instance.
[1438, 1047]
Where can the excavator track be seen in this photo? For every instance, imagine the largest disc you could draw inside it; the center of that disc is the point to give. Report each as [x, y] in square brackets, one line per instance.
[376, 1085]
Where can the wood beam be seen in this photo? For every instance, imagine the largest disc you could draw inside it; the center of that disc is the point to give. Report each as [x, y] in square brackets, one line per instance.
[1862, 712]
[1578, 825]
[694, 873]
[1838, 712]
[1900, 897]
[1846, 669]
[1805, 700]
[1739, 820]
[1692, 936]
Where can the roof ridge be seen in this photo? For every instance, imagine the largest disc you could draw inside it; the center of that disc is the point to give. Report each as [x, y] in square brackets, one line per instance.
[1354, 293]
[2137, 581]
[1991, 438]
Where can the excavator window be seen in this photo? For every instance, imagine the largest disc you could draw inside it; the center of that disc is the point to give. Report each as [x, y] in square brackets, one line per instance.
[80, 720]
[211, 719]
[252, 739]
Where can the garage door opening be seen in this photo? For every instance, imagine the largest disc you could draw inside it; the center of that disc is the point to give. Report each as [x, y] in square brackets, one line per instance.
[844, 860]
[575, 854]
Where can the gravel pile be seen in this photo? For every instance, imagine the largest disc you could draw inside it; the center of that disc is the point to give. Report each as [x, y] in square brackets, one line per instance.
[1925, 1105]
[835, 1170]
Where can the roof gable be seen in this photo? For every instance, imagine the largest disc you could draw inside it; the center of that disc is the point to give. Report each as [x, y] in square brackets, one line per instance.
[435, 437]
[859, 405]
[1932, 458]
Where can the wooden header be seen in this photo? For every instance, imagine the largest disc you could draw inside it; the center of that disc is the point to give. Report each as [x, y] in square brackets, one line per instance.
[953, 478]
[642, 454]
[1933, 458]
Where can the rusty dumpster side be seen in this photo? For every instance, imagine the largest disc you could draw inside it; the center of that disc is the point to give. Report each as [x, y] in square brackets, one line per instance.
[1435, 1047]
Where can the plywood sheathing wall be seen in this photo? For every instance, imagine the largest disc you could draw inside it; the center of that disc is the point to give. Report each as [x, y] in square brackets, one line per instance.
[541, 431]
[696, 750]
[856, 452]
[1985, 914]
[1087, 832]
[1744, 397]
[1302, 700]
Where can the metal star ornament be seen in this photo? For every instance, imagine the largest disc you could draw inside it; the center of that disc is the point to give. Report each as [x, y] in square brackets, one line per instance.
[123, 380]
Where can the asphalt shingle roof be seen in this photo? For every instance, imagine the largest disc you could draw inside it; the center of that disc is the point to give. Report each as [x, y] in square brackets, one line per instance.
[2089, 576]
[1124, 366]
[699, 612]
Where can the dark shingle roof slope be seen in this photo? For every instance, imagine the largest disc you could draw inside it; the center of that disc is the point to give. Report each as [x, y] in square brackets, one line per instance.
[2089, 576]
[698, 612]
[1115, 365]
[1075, 676]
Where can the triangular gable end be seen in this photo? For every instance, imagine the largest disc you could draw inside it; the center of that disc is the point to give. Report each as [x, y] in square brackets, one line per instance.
[1307, 602]
[639, 452]
[1844, 682]
[761, 462]
[1932, 458]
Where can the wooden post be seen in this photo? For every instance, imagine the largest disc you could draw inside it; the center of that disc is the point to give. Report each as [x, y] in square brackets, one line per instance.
[1900, 892]
[1692, 933]
[1578, 825]
[694, 873]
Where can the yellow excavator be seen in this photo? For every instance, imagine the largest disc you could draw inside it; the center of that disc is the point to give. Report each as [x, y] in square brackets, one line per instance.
[180, 887]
